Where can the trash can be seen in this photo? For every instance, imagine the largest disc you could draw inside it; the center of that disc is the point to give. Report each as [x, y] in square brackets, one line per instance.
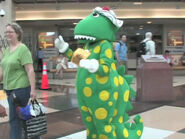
[154, 79]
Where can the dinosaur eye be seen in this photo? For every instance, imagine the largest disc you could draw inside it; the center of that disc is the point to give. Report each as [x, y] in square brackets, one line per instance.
[95, 15]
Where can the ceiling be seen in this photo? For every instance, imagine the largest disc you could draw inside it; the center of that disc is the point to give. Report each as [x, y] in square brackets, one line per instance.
[68, 1]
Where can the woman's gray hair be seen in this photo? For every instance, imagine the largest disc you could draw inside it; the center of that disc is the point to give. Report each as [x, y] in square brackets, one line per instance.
[18, 30]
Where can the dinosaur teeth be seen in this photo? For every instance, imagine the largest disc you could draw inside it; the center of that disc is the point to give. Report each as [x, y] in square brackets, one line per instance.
[85, 37]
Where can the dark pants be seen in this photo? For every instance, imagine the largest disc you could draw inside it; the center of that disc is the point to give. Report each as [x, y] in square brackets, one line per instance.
[40, 64]
[22, 97]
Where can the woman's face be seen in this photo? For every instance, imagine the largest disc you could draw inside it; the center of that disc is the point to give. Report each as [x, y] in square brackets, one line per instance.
[11, 34]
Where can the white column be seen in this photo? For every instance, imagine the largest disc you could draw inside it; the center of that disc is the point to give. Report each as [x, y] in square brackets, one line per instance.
[8, 7]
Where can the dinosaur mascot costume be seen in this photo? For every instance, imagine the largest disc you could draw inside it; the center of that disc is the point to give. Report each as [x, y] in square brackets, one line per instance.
[103, 91]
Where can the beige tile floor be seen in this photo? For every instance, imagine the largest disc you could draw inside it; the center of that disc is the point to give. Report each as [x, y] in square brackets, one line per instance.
[176, 136]
[165, 117]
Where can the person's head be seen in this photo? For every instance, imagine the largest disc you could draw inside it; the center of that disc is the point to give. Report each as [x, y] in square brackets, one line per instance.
[14, 32]
[167, 52]
[123, 38]
[148, 35]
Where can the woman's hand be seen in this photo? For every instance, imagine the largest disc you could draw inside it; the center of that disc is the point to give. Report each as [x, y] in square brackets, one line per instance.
[33, 95]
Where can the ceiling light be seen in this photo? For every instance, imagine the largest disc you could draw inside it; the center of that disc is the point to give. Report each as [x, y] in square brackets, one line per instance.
[137, 3]
[75, 23]
[137, 33]
[149, 22]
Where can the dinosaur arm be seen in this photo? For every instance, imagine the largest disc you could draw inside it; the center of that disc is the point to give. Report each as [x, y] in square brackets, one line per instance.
[106, 59]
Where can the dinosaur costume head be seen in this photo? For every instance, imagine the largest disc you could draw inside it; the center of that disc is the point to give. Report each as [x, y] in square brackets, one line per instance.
[101, 24]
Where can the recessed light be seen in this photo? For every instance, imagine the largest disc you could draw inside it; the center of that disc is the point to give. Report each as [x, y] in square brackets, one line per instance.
[137, 3]
[149, 22]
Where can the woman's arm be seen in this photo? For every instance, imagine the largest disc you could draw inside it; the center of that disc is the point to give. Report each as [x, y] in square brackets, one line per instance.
[31, 75]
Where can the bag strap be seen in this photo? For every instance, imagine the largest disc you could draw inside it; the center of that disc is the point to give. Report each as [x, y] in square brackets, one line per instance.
[36, 102]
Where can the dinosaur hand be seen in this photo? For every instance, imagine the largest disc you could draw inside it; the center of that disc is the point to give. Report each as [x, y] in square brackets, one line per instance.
[61, 44]
[91, 65]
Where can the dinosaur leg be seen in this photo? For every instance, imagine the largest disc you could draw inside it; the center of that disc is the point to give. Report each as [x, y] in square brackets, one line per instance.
[102, 117]
[87, 118]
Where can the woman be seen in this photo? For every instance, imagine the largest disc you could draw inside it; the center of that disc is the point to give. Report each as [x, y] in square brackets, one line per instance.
[18, 76]
[168, 57]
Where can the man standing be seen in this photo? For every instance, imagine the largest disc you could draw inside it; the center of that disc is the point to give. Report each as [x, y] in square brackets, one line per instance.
[150, 44]
[40, 56]
[121, 52]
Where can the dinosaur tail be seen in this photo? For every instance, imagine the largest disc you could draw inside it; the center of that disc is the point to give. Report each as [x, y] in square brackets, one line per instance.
[129, 130]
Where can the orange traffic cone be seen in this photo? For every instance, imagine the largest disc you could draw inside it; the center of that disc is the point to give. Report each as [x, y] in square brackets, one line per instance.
[44, 83]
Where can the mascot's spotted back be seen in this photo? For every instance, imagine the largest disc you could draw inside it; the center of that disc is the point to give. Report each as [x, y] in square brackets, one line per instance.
[103, 91]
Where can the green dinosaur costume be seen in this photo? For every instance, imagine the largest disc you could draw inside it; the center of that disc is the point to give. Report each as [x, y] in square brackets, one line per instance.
[103, 91]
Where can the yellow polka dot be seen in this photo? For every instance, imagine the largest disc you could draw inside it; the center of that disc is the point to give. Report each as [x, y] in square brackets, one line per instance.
[87, 132]
[90, 110]
[121, 119]
[121, 81]
[126, 95]
[110, 103]
[113, 66]
[69, 53]
[84, 108]
[125, 133]
[88, 81]
[108, 128]
[87, 91]
[97, 49]
[139, 132]
[103, 136]
[141, 120]
[105, 69]
[101, 113]
[94, 136]
[116, 81]
[110, 120]
[115, 112]
[102, 61]
[102, 42]
[114, 133]
[108, 53]
[102, 80]
[88, 119]
[115, 95]
[104, 95]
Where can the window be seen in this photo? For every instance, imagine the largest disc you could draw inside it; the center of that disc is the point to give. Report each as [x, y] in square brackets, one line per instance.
[46, 39]
[175, 38]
